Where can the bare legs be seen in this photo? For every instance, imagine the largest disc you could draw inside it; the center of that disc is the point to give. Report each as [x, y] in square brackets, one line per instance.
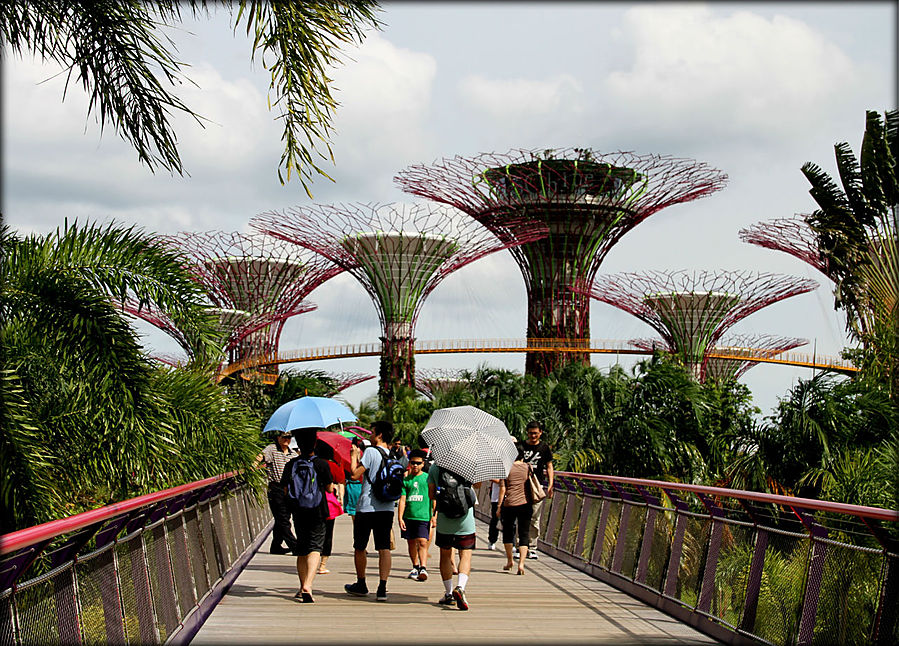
[307, 567]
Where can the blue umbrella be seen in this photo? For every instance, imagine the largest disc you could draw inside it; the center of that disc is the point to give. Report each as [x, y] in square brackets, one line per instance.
[308, 412]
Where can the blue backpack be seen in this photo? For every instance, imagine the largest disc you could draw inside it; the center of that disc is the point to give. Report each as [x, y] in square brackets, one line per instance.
[387, 484]
[303, 489]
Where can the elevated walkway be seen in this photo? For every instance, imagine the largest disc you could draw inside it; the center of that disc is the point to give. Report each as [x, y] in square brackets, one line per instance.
[551, 603]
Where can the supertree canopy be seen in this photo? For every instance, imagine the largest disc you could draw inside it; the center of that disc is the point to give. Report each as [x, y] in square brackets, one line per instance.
[399, 254]
[587, 199]
[790, 235]
[254, 284]
[692, 310]
[430, 381]
[749, 345]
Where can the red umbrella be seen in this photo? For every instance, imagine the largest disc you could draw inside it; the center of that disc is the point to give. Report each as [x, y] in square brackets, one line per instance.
[339, 445]
[337, 473]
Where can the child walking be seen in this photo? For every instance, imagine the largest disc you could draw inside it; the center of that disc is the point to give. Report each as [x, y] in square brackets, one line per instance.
[415, 515]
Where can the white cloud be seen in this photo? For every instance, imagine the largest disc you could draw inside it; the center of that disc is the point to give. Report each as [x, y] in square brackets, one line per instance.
[763, 76]
[521, 98]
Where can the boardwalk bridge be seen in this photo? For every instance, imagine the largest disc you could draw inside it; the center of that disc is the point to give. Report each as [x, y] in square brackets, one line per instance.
[622, 561]
[593, 346]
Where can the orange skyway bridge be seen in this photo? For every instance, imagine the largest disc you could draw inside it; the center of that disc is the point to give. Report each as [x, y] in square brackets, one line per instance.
[598, 346]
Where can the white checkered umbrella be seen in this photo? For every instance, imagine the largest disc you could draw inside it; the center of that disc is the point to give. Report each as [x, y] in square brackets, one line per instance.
[470, 443]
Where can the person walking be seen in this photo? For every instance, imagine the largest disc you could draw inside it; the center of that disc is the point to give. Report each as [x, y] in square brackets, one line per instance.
[540, 456]
[453, 531]
[517, 510]
[374, 517]
[493, 529]
[275, 456]
[414, 514]
[306, 481]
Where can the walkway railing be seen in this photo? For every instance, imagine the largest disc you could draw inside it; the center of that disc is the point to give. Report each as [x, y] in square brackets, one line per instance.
[596, 346]
[743, 567]
[147, 570]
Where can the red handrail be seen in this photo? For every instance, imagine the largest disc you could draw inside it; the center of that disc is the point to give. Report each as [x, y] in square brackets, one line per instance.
[30, 535]
[786, 501]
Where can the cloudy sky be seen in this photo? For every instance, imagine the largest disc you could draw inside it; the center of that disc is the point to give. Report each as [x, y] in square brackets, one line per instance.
[754, 89]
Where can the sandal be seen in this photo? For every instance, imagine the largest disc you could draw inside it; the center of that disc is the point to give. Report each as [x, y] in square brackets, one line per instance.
[307, 597]
[507, 567]
[520, 572]
[325, 571]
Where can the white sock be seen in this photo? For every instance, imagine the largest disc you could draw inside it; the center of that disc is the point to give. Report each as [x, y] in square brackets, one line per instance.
[448, 584]
[463, 579]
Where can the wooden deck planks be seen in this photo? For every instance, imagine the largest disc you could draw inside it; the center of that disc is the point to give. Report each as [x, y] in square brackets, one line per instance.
[552, 602]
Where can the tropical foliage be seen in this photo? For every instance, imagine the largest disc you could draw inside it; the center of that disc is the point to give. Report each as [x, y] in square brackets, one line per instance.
[857, 225]
[119, 53]
[87, 418]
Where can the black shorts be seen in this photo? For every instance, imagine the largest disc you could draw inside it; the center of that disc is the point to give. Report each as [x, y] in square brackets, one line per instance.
[310, 529]
[378, 523]
[416, 529]
[459, 541]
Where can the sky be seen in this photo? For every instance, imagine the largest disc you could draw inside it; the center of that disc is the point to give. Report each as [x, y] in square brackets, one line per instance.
[753, 89]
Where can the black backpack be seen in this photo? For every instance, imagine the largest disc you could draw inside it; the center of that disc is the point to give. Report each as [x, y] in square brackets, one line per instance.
[454, 494]
[303, 489]
[387, 484]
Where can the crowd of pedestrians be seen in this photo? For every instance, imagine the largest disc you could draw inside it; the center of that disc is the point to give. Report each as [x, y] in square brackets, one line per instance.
[432, 505]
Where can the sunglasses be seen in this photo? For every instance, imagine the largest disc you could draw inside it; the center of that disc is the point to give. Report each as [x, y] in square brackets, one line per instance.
[418, 464]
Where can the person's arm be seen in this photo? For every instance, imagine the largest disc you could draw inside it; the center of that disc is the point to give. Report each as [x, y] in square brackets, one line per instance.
[432, 494]
[502, 493]
[550, 478]
[356, 468]
[401, 509]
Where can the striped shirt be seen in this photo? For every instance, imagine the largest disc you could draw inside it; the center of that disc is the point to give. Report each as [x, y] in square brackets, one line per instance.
[275, 460]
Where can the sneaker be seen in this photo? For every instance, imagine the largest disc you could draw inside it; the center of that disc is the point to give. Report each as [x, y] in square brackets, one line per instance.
[413, 573]
[491, 547]
[423, 574]
[514, 552]
[532, 554]
[381, 594]
[459, 596]
[447, 600]
[356, 589]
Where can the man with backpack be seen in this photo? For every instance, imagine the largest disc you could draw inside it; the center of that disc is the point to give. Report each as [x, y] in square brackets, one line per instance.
[452, 504]
[382, 480]
[306, 479]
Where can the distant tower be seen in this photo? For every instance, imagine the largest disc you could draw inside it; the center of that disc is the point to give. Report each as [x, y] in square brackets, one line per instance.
[588, 201]
[750, 345]
[692, 310]
[254, 285]
[399, 254]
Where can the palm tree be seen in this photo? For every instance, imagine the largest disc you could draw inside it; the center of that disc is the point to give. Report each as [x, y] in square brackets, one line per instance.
[86, 417]
[857, 226]
[117, 51]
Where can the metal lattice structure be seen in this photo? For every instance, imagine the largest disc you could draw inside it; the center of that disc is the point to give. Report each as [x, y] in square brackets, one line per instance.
[430, 381]
[347, 379]
[588, 201]
[692, 310]
[254, 284]
[790, 235]
[399, 254]
[713, 367]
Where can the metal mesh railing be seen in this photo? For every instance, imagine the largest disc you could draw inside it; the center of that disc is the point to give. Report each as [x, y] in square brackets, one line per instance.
[741, 566]
[137, 572]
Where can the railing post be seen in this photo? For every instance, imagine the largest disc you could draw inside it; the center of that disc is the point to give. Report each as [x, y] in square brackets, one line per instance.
[677, 545]
[814, 577]
[648, 534]
[711, 561]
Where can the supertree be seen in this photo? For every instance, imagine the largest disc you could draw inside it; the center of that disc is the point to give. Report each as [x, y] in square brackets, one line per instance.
[254, 284]
[347, 379]
[430, 381]
[693, 310]
[749, 345]
[790, 235]
[588, 200]
[399, 254]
